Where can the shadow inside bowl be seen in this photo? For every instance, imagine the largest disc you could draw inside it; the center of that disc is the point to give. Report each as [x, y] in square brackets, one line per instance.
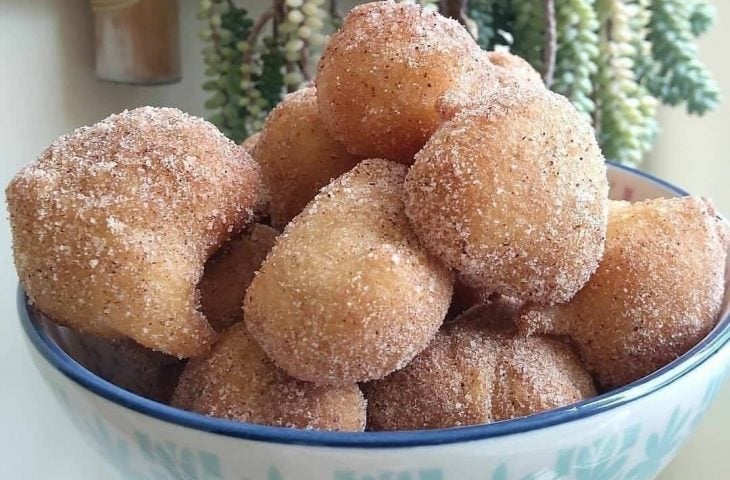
[123, 363]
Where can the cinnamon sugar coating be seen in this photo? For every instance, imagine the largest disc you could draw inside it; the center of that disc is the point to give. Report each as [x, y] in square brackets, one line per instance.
[478, 370]
[113, 223]
[261, 208]
[510, 72]
[297, 155]
[347, 294]
[381, 75]
[237, 381]
[657, 292]
[511, 69]
[513, 195]
[250, 143]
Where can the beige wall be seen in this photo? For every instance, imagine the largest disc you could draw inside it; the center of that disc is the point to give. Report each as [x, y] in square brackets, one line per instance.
[47, 75]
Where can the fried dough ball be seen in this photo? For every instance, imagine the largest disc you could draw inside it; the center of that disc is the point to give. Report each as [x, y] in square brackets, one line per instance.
[657, 292]
[347, 294]
[381, 75]
[249, 144]
[297, 156]
[113, 223]
[237, 381]
[261, 208]
[513, 195]
[229, 272]
[478, 370]
[510, 69]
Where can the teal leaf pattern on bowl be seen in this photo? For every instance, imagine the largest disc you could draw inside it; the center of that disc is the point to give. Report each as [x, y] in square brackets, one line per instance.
[179, 463]
[659, 447]
[431, 474]
[115, 450]
[501, 474]
[713, 388]
[606, 458]
[274, 474]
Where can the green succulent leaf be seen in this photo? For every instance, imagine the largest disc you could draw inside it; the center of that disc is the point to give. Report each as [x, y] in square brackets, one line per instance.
[681, 77]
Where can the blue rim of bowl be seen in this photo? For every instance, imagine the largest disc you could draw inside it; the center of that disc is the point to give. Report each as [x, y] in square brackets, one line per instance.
[648, 176]
[710, 345]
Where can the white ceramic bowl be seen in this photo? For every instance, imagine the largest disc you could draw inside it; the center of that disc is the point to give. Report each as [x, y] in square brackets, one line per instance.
[628, 434]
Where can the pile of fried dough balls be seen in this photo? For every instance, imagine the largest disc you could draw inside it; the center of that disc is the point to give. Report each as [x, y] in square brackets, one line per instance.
[448, 245]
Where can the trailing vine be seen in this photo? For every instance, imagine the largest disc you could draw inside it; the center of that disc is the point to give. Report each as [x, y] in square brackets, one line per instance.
[701, 18]
[577, 52]
[250, 64]
[614, 59]
[528, 31]
[682, 77]
[625, 119]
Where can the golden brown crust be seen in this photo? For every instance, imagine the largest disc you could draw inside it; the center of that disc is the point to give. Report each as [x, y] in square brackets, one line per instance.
[444, 386]
[511, 69]
[513, 195]
[381, 75]
[113, 223]
[477, 370]
[237, 381]
[297, 156]
[347, 294]
[250, 143]
[538, 373]
[656, 293]
[510, 72]
[261, 208]
[229, 272]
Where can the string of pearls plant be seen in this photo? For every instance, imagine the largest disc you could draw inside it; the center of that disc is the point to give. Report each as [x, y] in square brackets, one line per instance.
[616, 60]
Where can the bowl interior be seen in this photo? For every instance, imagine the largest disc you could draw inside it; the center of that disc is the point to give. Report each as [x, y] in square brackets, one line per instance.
[105, 369]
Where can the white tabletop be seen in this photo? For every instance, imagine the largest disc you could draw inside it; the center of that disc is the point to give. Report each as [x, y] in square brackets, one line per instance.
[38, 442]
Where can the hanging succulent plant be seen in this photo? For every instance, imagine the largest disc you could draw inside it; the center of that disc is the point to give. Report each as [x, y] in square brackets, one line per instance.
[578, 51]
[682, 78]
[614, 59]
[251, 64]
[625, 117]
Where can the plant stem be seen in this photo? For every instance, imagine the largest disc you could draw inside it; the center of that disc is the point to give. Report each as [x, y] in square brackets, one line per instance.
[551, 43]
[259, 25]
[304, 63]
[279, 14]
[255, 31]
[457, 9]
[334, 10]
